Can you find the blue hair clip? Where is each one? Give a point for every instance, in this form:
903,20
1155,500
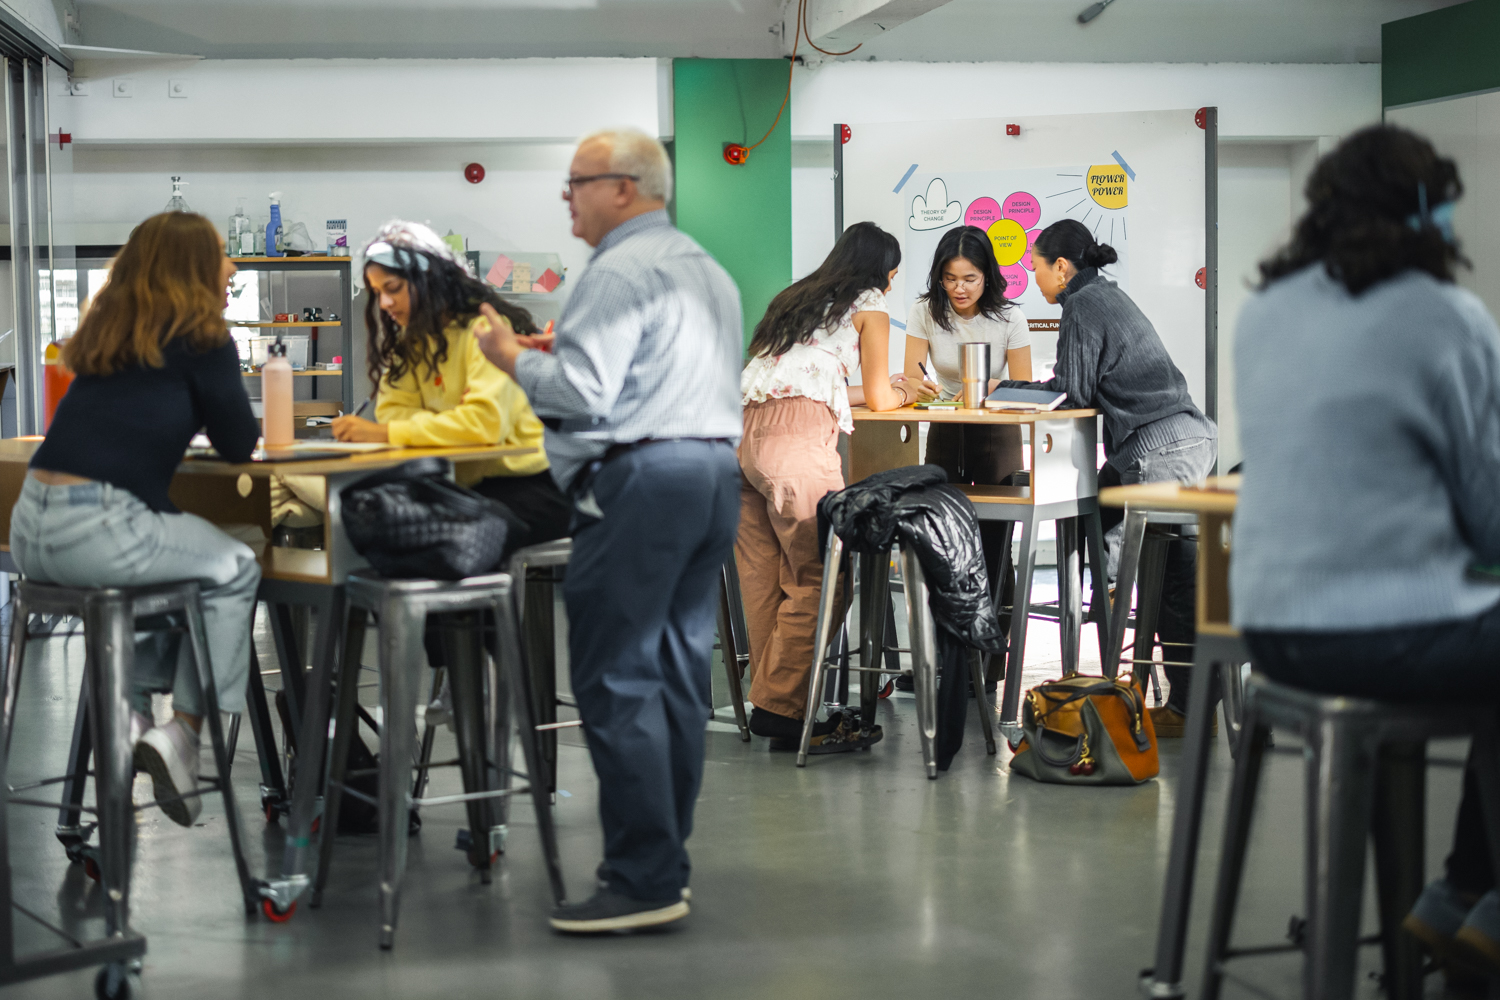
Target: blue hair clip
1440,218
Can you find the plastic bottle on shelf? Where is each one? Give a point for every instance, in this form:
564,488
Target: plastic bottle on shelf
177,204
276,397
239,242
273,228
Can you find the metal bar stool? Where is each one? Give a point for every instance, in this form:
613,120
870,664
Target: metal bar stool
874,591
109,616
1143,560
482,714
543,567
1365,773
1217,659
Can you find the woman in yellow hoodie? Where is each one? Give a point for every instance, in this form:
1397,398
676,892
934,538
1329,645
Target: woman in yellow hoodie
435,387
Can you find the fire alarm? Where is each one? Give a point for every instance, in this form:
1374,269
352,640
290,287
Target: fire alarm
1200,118
1012,130
474,173
735,155
1201,278
844,133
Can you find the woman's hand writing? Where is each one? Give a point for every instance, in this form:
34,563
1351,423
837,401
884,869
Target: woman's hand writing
916,391
352,428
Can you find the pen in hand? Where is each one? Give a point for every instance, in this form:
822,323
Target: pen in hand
362,407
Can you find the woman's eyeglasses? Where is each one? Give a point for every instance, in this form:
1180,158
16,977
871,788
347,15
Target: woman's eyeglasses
955,283
573,182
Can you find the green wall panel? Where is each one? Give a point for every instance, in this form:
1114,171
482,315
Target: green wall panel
742,215
1442,53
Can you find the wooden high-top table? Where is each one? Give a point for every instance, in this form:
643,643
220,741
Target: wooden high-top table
1217,645
1064,488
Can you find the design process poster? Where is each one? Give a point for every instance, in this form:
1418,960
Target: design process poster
1013,207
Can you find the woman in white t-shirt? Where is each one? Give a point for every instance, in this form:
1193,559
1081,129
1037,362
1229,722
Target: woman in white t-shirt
965,303
796,396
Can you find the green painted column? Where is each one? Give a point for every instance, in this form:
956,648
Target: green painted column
742,215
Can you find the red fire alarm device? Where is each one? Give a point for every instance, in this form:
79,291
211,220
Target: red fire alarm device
1012,130
734,154
474,173
844,133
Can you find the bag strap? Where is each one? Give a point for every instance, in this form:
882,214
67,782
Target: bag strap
1068,761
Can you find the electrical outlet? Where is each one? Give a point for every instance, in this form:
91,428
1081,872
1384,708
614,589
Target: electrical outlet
78,88
177,88
124,88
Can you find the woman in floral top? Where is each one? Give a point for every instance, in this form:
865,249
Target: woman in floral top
797,399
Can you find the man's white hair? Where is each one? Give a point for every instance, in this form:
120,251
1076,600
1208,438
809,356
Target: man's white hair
633,152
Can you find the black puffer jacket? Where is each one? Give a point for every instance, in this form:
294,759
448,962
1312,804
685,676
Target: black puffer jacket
916,506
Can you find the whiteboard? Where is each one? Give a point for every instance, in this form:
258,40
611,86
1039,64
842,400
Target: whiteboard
1137,179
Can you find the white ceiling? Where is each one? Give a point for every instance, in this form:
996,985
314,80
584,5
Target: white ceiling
1311,31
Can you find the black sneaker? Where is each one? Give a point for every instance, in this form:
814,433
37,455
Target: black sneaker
784,728
847,736
609,912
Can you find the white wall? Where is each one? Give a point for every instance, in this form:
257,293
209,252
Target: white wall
1254,101
1257,200
329,101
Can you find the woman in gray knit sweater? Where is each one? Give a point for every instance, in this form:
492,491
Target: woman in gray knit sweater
1110,358
1370,509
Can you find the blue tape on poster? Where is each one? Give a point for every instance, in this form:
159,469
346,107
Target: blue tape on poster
1123,165
897,324
904,178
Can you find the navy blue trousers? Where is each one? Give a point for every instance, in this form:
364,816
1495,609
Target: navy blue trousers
642,592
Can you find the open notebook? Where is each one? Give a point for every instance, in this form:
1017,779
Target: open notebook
297,451
1031,400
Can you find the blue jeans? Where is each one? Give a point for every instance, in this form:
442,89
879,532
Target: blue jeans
97,535
642,593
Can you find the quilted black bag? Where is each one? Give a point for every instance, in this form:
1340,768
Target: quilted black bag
413,522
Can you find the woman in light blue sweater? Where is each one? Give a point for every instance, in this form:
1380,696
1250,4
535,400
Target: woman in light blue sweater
1371,500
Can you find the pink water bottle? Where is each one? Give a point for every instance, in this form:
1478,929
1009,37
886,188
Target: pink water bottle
276,397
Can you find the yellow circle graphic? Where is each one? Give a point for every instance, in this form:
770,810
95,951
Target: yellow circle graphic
1009,240
1108,185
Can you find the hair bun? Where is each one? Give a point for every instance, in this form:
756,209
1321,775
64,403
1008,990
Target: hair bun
1098,255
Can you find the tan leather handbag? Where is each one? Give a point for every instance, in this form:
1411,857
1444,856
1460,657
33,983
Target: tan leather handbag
1086,731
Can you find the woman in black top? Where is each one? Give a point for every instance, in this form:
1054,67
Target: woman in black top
1109,358
154,364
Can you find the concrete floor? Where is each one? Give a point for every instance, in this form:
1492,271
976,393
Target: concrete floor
853,877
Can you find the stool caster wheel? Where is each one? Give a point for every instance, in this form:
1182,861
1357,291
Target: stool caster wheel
276,914
887,688
88,856
115,982
268,806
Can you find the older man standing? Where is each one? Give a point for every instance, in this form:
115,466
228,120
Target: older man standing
641,399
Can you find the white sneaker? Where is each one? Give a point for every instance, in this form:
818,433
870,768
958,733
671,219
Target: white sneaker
170,755
139,723
440,711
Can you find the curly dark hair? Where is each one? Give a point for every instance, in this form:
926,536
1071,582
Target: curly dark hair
863,258
970,243
442,293
1365,220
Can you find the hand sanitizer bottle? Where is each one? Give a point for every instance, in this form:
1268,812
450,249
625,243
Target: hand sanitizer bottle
177,204
273,228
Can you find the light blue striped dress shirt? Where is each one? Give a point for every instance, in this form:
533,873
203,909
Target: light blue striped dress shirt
649,346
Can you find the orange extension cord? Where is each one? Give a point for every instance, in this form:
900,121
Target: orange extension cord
802,32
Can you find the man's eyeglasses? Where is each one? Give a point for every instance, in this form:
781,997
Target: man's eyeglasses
573,182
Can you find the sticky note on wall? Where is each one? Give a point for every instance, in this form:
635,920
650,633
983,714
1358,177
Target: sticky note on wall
500,270
547,281
520,278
